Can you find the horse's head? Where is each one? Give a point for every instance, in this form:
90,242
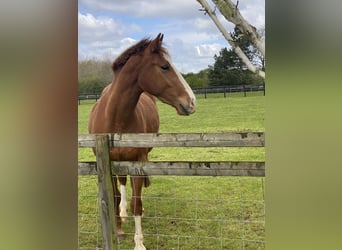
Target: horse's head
159,77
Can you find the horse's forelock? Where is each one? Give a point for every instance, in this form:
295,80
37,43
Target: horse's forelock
135,49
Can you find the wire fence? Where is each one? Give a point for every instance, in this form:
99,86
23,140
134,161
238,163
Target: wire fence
185,213
89,228
190,205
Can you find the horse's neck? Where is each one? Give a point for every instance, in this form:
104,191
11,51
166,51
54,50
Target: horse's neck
123,97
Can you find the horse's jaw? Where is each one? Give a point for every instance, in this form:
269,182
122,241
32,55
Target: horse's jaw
185,111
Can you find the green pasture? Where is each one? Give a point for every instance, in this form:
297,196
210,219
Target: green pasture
191,212
214,114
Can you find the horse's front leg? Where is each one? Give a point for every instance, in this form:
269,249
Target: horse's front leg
137,209
117,198
123,202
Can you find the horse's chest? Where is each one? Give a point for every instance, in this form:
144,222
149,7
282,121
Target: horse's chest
128,154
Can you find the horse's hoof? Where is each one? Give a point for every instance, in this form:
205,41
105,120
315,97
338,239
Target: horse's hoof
140,247
138,239
121,238
120,235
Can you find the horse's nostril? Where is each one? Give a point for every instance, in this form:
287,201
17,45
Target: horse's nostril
184,109
193,103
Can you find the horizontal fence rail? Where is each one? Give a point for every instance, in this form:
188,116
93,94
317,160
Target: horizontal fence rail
231,139
203,168
225,168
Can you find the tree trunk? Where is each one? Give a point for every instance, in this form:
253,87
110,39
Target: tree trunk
233,15
228,37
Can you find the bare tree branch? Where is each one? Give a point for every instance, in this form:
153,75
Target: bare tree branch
228,37
231,12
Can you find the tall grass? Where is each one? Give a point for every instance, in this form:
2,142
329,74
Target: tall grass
191,212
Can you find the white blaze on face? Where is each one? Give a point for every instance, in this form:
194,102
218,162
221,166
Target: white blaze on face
182,80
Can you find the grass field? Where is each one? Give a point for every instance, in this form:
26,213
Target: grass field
191,212
214,114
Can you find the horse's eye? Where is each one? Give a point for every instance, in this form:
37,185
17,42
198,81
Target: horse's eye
165,67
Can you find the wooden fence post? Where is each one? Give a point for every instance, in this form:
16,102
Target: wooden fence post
106,198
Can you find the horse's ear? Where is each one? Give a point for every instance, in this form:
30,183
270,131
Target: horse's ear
161,36
156,44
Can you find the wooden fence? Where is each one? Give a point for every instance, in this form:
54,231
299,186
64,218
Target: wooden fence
241,88
104,168
205,91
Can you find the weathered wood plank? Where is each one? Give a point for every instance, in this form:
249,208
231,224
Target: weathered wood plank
228,139
227,168
190,168
87,168
106,201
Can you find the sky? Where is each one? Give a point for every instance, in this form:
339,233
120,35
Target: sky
107,27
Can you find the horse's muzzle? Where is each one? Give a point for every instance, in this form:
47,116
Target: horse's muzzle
187,110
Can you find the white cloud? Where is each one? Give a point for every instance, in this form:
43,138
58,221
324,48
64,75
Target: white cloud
144,8
253,12
208,50
193,58
90,28
107,27
203,24
103,37
100,28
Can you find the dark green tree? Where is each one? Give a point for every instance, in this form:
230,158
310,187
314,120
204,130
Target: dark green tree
229,69
197,80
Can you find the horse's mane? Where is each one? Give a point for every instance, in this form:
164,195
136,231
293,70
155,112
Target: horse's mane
135,49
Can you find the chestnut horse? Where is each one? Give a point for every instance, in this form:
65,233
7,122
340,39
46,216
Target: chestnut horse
127,105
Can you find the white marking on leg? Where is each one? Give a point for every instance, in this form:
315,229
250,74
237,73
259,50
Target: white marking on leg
123,203
138,237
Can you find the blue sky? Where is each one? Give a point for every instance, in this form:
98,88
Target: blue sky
107,27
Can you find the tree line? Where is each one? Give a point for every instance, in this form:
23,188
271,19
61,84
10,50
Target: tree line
94,75
228,69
